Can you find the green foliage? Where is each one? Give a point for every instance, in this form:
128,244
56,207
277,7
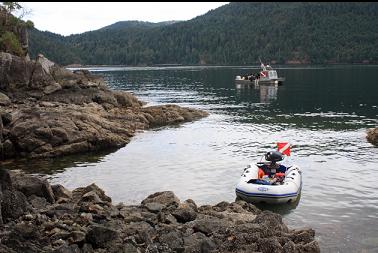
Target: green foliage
11,6
13,30
10,43
29,24
237,33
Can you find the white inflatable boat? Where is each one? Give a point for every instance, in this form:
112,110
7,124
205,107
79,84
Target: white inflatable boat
286,192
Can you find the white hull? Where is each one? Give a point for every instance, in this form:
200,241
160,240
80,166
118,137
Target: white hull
273,194
248,83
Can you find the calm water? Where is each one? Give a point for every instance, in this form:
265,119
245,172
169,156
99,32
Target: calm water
322,111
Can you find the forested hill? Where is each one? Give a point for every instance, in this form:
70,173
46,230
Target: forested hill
236,33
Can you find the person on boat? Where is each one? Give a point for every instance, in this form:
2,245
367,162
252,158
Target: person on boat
273,170
251,77
257,75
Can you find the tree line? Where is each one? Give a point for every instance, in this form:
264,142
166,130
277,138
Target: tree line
236,33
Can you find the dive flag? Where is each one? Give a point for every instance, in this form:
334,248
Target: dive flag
284,148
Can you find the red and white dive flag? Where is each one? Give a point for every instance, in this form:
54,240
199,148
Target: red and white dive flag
263,73
284,148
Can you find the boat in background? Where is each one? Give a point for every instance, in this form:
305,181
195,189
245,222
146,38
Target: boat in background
267,76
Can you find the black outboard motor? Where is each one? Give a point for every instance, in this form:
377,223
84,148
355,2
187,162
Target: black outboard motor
274,156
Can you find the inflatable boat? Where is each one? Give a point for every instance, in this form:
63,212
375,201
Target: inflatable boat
253,190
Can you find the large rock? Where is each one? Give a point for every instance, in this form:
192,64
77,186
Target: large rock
15,72
79,193
56,112
171,114
13,205
101,236
46,64
166,198
52,88
31,185
127,99
5,180
372,136
4,99
184,213
61,192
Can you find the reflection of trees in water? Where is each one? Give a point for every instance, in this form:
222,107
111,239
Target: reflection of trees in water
268,93
56,164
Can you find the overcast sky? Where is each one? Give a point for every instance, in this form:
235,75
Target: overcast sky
78,17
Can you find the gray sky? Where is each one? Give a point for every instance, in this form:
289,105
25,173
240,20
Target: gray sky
78,17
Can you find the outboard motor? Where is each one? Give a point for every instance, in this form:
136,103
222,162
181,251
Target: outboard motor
274,156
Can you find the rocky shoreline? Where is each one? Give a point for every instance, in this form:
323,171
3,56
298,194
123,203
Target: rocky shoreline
49,111
39,217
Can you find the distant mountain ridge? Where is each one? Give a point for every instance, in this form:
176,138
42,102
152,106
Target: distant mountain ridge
120,25
236,33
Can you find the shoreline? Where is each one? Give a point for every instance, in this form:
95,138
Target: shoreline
50,111
49,218
78,66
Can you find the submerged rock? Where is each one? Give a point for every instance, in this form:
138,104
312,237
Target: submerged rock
87,221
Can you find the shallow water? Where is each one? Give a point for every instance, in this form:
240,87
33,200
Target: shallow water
322,111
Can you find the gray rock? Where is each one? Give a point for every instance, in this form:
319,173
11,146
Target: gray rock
6,118
302,235
15,72
5,180
4,99
52,88
73,248
8,149
99,236
90,197
172,239
154,207
46,64
126,99
37,202
77,236
209,225
13,205
184,213
288,247
312,246
194,240
61,192
78,193
31,185
271,221
166,198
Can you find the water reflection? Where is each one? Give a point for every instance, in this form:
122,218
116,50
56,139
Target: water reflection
282,209
52,166
268,93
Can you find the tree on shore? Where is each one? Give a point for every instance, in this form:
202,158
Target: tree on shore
9,8
13,30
